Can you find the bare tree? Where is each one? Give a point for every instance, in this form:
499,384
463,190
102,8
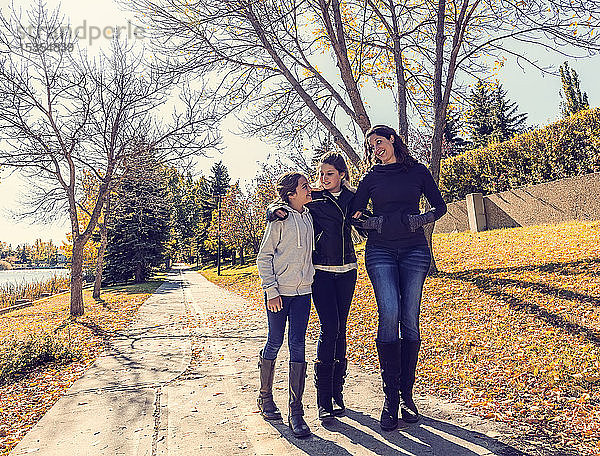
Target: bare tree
63,116
293,68
302,67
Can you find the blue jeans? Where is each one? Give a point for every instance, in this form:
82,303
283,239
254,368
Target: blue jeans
297,310
397,276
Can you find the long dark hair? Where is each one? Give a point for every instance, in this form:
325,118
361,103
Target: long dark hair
287,185
400,148
336,160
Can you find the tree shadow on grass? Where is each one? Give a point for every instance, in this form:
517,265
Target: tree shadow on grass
485,281
563,268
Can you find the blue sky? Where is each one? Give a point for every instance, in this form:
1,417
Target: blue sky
536,95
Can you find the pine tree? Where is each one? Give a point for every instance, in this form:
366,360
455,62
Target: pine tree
574,101
453,142
479,122
218,181
505,119
324,147
492,117
212,189
139,230
186,216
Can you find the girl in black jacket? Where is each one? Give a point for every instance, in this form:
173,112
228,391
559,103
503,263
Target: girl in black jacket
397,259
335,265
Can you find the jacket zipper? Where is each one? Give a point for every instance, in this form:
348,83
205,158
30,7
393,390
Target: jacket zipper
343,221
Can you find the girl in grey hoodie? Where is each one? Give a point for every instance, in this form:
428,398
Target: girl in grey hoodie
285,266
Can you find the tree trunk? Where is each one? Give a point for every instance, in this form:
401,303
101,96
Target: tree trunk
139,273
242,259
233,256
338,136
101,251
439,113
77,278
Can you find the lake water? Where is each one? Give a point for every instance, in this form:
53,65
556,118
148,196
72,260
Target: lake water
19,276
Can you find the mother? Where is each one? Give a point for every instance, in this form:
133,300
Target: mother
397,260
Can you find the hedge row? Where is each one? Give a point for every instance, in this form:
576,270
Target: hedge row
566,148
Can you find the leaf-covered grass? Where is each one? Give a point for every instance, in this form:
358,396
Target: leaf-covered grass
26,396
510,327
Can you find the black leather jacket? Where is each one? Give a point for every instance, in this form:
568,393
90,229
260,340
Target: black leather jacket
331,220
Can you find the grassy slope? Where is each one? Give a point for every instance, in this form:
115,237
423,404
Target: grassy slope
510,327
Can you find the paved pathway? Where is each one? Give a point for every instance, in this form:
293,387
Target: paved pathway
147,395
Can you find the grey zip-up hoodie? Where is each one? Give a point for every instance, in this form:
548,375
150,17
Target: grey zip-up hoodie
284,260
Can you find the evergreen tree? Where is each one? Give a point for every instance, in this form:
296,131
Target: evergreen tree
573,100
324,147
212,189
479,124
218,181
139,230
186,216
506,121
491,116
454,144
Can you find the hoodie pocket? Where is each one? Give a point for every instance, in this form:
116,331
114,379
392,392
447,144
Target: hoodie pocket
290,275
281,273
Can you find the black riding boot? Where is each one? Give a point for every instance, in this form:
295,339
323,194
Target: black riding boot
389,360
296,385
410,355
340,367
323,383
267,407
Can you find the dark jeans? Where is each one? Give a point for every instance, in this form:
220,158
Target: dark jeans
398,276
332,295
297,310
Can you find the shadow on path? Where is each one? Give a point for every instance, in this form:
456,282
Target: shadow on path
428,437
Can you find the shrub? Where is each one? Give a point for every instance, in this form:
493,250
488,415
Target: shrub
5,265
566,148
17,357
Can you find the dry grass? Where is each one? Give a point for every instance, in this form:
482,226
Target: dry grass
9,293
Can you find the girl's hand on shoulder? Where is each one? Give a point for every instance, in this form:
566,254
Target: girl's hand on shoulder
275,304
357,214
316,186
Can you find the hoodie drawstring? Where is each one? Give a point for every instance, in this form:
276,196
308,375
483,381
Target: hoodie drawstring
297,230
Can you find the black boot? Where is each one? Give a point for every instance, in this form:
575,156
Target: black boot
267,407
296,417
389,360
340,367
410,355
323,384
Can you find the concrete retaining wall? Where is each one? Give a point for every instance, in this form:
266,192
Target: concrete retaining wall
574,198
